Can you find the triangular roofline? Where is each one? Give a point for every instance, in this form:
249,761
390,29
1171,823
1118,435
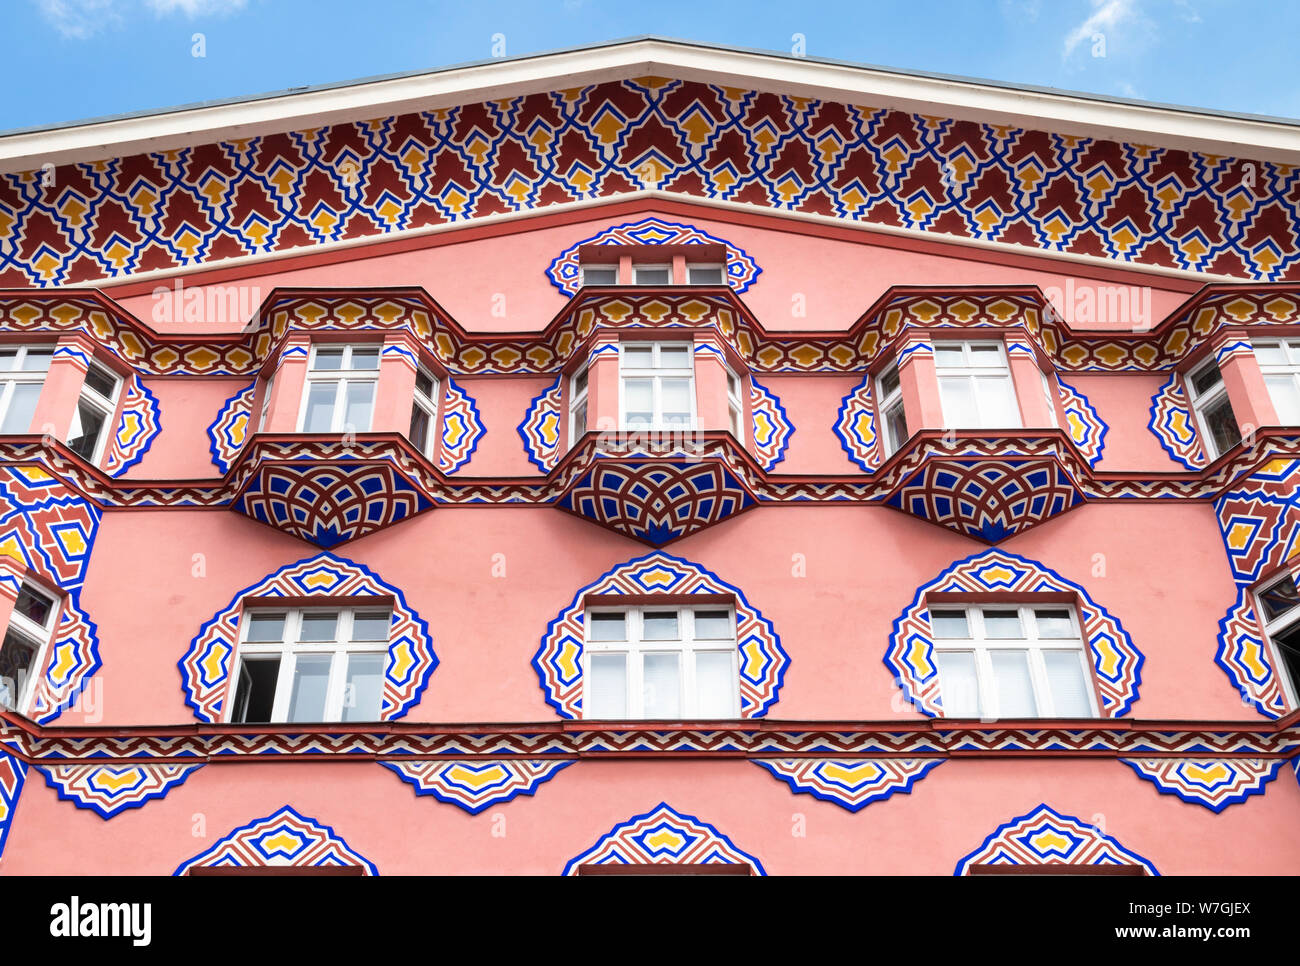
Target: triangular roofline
990,102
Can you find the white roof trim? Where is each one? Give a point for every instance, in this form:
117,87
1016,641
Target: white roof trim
1063,113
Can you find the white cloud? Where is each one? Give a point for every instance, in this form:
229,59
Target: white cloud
1026,10
1106,15
80,19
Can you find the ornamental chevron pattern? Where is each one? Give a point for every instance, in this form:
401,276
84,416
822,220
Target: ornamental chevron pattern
284,838
476,785
850,784
1046,837
663,836
1213,783
285,191
108,790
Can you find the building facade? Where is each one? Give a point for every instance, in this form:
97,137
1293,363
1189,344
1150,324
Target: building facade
651,455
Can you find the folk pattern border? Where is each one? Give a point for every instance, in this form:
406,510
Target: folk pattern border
284,838
109,790
477,785
852,784
1046,837
663,836
1213,783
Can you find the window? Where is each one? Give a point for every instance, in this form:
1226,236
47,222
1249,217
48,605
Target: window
658,383
975,386
424,411
1279,606
266,403
22,374
661,662
599,274
652,274
578,405
704,274
735,407
95,409
22,654
893,421
340,392
1011,662
1213,409
311,665
1279,362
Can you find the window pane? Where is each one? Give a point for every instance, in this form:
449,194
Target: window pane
638,356
607,689
948,355
1013,688
702,275
320,407
997,403
986,356
34,605
317,628
949,624
264,628
360,401
674,357
713,625
715,685
328,357
364,688
424,384
958,690
1270,354
1280,598
1003,625
1286,398
958,399
87,426
420,423
311,676
1222,425
660,626
16,657
37,360
101,381
579,420
1069,684
599,276
365,357
371,626
606,627
1287,645
661,685
896,426
676,397
646,275
255,695
1206,379
889,381
580,383
1054,623
22,407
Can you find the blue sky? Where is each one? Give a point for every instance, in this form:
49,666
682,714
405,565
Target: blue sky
74,59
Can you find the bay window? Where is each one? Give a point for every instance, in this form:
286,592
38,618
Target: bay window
657,386
1279,609
975,386
95,408
661,662
339,396
22,374
22,655
893,421
1279,364
1213,409
1011,662
424,412
310,664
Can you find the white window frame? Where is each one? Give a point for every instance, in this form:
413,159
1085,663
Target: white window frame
722,269
735,404
657,374
1201,401
1290,348
290,647
578,401
107,405
982,646
888,402
37,635
266,402
428,404
1280,623
973,373
636,647
9,378
342,377
638,267
583,269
